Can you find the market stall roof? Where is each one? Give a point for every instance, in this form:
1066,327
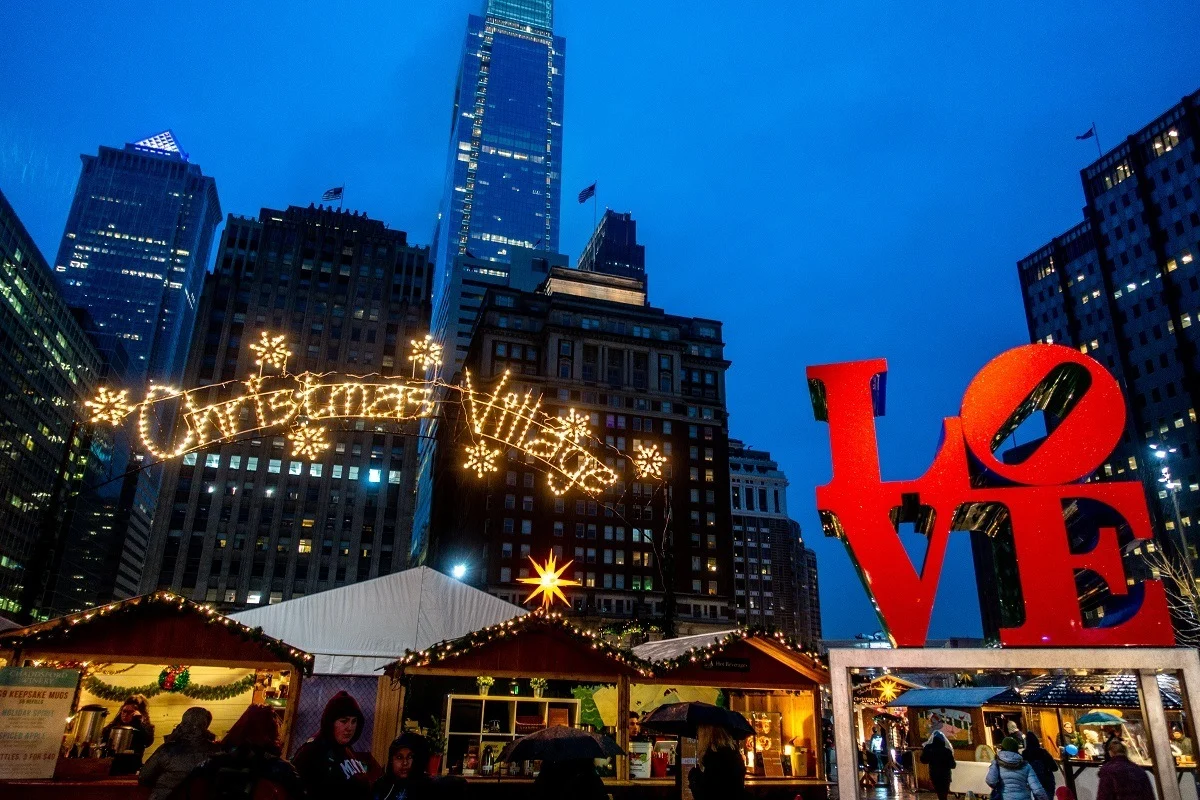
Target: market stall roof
962,697
738,658
882,690
1112,690
361,628
540,644
667,649
161,628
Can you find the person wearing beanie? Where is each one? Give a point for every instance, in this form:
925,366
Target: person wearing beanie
1010,774
328,767
406,774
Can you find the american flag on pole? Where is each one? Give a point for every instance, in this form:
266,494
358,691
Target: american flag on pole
333,194
587,193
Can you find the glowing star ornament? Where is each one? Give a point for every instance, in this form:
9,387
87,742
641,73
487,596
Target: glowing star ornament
482,459
548,582
574,426
649,462
308,441
110,406
426,353
272,351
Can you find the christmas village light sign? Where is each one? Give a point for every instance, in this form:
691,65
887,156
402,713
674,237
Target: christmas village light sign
966,483
299,406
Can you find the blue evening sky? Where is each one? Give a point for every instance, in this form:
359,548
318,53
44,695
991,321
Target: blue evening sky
833,181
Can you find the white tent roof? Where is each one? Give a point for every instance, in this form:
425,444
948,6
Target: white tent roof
357,629
666,649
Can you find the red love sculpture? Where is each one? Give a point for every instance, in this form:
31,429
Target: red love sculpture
966,477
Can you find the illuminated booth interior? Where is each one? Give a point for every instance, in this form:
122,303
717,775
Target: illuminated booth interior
175,652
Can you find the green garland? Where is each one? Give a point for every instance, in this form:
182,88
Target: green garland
116,694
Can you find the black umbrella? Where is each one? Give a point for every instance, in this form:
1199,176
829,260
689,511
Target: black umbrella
682,719
560,743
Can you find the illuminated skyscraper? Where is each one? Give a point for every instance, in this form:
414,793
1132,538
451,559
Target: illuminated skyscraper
502,175
501,195
135,249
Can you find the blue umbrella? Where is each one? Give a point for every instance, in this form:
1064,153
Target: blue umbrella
1101,718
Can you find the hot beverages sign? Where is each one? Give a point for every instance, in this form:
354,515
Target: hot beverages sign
967,484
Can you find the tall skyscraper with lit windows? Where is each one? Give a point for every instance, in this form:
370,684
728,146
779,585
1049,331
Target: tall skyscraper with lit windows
503,168
136,247
501,200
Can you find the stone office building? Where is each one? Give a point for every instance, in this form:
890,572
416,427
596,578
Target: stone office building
588,341
248,523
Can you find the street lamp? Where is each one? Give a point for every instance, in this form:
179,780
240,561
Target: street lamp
1161,452
458,571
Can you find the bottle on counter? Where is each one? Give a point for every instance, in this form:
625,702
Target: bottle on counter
487,763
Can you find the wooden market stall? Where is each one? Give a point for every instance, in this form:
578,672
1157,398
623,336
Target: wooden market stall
770,680
1053,703
175,652
589,683
871,710
537,647
967,715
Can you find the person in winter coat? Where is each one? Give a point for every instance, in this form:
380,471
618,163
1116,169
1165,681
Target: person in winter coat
183,749
249,765
573,778
328,767
1012,776
720,773
1043,764
938,754
1120,778
135,714
405,774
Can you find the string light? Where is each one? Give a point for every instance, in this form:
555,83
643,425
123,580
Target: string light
109,406
539,619
518,422
482,459
62,627
426,353
272,351
649,462
549,582
308,441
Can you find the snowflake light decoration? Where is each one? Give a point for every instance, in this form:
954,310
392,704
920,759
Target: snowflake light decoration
110,406
482,459
308,441
649,462
271,350
574,426
426,353
548,582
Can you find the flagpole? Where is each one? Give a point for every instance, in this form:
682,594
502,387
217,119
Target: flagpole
342,197
594,183
1099,150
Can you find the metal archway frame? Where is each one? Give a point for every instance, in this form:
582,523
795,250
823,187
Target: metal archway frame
1145,662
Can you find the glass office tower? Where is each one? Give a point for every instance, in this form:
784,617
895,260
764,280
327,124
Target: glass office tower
135,249
502,176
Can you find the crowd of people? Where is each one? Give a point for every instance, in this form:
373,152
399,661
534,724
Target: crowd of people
249,762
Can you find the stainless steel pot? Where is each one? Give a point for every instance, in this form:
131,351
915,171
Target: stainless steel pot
120,739
89,722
